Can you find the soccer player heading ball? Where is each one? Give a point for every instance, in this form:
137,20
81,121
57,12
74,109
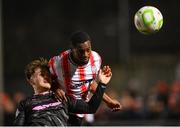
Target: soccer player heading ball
76,70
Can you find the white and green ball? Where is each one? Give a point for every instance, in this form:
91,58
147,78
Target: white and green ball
148,20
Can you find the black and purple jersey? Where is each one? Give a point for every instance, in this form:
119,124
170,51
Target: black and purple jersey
45,109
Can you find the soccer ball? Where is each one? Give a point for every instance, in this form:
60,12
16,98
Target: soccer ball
148,20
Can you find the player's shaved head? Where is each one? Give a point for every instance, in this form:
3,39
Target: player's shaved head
79,37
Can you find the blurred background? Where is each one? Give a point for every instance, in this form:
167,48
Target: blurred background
146,68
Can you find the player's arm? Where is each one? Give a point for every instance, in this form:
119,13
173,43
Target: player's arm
57,87
20,115
114,104
80,106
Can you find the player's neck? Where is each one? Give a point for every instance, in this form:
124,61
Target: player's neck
41,91
74,60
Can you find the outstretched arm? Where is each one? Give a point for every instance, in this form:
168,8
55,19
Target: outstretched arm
114,104
80,106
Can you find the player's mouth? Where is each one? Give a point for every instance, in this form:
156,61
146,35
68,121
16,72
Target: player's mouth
45,81
85,60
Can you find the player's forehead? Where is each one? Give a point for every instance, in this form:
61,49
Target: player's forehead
84,45
37,70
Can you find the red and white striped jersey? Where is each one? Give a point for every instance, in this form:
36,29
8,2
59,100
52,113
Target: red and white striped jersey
75,78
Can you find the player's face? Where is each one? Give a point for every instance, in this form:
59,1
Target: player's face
41,80
82,52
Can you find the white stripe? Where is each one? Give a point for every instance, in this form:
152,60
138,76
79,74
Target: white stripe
75,78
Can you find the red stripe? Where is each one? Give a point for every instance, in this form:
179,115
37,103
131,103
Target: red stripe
83,88
93,66
51,64
81,73
82,78
66,70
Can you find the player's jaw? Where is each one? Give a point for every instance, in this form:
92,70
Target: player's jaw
81,53
81,59
84,59
41,82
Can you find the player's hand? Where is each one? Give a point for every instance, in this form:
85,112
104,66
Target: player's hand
105,75
61,95
115,105
107,71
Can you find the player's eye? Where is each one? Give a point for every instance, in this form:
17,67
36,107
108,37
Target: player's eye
88,50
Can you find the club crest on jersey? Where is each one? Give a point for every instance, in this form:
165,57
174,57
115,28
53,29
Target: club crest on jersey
79,84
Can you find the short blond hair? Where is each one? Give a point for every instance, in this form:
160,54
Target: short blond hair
38,63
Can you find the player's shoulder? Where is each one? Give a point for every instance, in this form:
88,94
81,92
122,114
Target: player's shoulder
60,56
25,102
95,55
64,54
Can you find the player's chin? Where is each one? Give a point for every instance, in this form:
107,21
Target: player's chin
46,85
84,61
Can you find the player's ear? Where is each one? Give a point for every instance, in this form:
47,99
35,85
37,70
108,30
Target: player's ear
30,81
